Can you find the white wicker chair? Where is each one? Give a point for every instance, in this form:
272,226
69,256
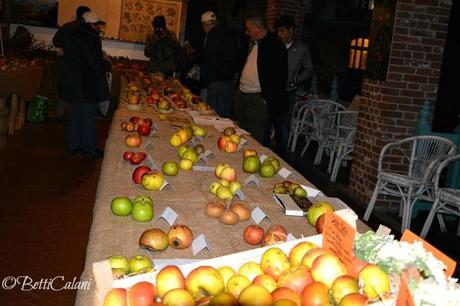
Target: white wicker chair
447,200
422,155
312,122
295,123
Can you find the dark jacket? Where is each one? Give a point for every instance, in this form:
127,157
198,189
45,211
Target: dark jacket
220,58
272,66
83,71
67,30
166,54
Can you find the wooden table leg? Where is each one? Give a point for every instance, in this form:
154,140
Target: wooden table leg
13,114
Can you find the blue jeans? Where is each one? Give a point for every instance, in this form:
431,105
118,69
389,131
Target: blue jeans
220,97
82,128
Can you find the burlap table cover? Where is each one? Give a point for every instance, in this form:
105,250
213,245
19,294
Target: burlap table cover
111,235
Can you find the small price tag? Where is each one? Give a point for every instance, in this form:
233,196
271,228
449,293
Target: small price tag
239,193
383,230
202,158
252,179
290,237
311,192
169,215
208,153
204,168
241,144
200,243
338,237
166,185
263,157
284,173
410,237
258,215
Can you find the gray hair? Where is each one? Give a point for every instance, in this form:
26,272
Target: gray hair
257,19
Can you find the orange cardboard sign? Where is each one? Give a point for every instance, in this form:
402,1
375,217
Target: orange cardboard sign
410,237
404,295
339,237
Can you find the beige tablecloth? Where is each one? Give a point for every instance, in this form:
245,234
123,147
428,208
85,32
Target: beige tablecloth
111,235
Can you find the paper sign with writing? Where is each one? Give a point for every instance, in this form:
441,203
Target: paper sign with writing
404,296
169,215
252,179
239,193
200,243
258,215
284,173
338,237
383,230
204,168
410,237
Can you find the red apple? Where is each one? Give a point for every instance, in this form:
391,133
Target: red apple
147,121
254,234
127,155
137,158
315,294
144,129
320,224
139,172
284,293
230,147
133,140
222,141
295,278
142,294
116,297
170,277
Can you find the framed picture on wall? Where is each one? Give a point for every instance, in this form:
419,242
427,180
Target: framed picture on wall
34,12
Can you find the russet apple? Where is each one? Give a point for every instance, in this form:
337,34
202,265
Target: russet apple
274,262
229,131
178,297
296,278
204,281
342,286
115,297
255,295
142,294
326,268
298,252
266,281
284,293
170,277
236,284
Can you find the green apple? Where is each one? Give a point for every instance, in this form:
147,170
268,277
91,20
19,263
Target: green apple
181,150
143,198
300,192
170,168
142,211
234,186
139,262
267,170
213,187
224,193
121,206
190,154
251,164
119,262
316,210
275,162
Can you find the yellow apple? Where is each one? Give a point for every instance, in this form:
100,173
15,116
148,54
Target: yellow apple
266,281
204,281
223,299
226,273
251,270
326,268
274,262
284,293
342,286
236,284
178,297
170,277
375,282
298,252
255,295
115,297
311,255
296,278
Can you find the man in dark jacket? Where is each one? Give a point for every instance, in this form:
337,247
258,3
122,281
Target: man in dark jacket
70,28
219,64
262,100
84,85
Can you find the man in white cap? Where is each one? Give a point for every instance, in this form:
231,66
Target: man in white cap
219,64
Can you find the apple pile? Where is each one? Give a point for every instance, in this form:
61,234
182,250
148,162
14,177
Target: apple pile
226,188
255,235
238,212
121,266
150,179
135,158
179,236
141,208
142,126
288,187
181,136
308,275
229,141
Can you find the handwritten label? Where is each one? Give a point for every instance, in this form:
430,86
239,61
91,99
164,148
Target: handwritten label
410,237
200,243
252,179
204,168
169,215
338,237
284,173
258,215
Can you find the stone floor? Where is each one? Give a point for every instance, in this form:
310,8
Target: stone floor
46,210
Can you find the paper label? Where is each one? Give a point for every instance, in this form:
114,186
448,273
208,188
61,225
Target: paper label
166,185
290,237
311,192
239,193
383,230
200,243
263,157
241,144
204,168
208,153
258,215
203,158
284,173
252,179
169,215
338,237
410,237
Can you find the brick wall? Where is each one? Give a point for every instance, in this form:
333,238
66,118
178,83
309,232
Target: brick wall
295,8
389,109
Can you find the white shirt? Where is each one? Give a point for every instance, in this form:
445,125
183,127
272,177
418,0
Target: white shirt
249,80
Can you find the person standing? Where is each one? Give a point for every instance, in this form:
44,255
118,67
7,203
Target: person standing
163,49
84,85
300,66
261,101
219,65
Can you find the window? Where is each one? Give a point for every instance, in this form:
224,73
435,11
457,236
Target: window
357,58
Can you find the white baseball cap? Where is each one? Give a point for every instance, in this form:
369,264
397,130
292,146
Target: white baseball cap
91,17
208,16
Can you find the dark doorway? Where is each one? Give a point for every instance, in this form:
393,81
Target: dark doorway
193,32
447,109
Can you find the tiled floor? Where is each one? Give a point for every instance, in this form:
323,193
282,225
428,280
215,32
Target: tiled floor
46,206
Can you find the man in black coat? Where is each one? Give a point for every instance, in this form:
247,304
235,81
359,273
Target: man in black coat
262,100
84,85
219,65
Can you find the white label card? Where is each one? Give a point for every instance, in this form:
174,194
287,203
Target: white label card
204,168
383,230
252,179
311,192
241,144
284,173
258,215
290,237
166,185
169,215
239,193
200,243
263,157
202,158
208,153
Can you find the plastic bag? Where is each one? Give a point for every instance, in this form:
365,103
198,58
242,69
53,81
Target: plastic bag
38,109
